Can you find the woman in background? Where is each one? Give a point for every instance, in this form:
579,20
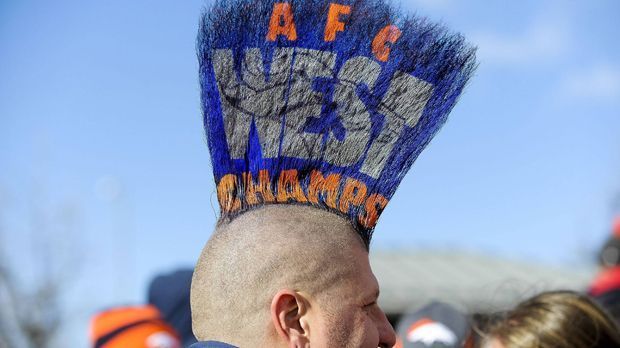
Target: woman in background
557,319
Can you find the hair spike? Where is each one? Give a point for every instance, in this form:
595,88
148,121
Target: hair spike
322,103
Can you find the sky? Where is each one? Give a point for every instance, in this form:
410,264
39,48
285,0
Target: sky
104,169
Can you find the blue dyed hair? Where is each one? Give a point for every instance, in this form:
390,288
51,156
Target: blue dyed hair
322,103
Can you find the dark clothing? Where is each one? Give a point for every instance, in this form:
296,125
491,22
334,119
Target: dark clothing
211,344
434,325
170,294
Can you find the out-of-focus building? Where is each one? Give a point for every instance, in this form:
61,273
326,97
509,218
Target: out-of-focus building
472,282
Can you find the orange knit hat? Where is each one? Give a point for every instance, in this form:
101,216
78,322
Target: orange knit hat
132,327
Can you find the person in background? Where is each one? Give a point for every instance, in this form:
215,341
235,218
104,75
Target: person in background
605,288
555,319
480,322
437,325
169,292
132,327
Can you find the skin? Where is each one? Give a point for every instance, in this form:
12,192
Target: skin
351,319
367,324
288,276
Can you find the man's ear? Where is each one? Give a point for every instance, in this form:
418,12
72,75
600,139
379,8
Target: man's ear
288,314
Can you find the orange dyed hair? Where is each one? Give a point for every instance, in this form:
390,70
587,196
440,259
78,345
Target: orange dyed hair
282,22
389,34
334,25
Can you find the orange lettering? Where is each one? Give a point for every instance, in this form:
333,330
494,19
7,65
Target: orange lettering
227,194
380,49
282,22
334,24
374,206
328,186
354,192
289,187
263,187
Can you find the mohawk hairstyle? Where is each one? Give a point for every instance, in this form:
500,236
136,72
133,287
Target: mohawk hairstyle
322,103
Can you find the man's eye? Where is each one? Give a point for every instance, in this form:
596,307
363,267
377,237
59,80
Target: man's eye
370,304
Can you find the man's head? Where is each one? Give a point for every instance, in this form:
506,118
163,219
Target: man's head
314,111
288,275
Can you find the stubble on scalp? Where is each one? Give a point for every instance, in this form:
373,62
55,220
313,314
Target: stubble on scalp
250,258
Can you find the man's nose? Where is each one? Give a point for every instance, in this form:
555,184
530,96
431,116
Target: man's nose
387,336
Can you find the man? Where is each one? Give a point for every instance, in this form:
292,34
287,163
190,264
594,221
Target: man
314,112
295,275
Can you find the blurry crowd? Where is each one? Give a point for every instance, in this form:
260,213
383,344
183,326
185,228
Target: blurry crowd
558,318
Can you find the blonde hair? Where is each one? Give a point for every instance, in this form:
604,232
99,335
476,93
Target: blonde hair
556,319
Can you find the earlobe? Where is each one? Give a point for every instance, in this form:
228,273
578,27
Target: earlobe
288,315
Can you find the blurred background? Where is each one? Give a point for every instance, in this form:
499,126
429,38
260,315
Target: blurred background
105,179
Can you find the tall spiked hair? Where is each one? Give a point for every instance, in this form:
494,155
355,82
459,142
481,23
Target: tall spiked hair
322,103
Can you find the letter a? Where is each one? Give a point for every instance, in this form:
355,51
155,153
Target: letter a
282,22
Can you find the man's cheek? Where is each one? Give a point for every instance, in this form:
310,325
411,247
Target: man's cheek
365,334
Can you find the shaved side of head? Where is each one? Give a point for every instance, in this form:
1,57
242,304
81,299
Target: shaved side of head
250,258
